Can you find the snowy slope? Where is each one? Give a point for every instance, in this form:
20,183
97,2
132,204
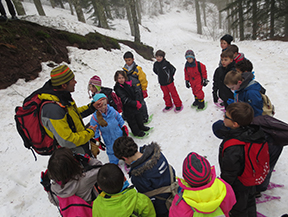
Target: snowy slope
178,134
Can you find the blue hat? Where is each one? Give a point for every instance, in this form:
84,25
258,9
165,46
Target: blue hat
98,96
189,53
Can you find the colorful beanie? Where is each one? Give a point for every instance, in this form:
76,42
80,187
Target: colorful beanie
189,53
61,75
228,38
196,170
98,96
95,80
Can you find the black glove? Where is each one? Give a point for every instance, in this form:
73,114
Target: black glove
82,159
45,181
205,82
188,84
215,97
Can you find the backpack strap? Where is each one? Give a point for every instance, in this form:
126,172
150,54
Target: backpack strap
231,142
199,69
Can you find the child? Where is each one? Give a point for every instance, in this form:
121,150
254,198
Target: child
68,177
236,55
195,79
115,126
138,77
94,86
201,191
149,169
165,72
225,42
118,200
220,90
237,121
244,66
131,104
246,89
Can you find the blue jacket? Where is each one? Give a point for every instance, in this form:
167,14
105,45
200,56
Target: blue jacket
111,132
150,172
250,92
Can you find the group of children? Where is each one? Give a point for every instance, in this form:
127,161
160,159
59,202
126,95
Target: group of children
199,192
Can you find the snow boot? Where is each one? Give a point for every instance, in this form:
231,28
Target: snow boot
201,103
167,108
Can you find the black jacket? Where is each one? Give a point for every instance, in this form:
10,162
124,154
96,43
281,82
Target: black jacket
165,72
219,88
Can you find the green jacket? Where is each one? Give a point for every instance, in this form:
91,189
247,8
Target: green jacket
124,204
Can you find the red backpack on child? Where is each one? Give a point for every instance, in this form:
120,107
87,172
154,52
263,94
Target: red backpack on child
256,161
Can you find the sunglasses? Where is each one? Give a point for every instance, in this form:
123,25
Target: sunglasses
225,116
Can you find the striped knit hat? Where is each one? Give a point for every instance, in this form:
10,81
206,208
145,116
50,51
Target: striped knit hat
196,170
61,75
189,53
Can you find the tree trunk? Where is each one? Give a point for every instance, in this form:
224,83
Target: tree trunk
286,19
107,10
129,17
101,14
161,7
61,4
204,12
19,7
52,2
138,10
71,7
79,12
39,7
254,19
241,20
272,14
198,18
135,21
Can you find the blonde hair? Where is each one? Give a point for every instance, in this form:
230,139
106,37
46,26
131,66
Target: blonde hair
232,77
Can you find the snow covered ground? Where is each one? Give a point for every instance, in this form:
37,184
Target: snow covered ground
178,134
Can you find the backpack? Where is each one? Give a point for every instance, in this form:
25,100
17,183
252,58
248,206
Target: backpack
277,129
268,108
256,161
172,188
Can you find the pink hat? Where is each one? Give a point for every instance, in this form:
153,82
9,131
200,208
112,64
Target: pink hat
95,81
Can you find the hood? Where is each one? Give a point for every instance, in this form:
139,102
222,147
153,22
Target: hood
207,198
151,155
248,80
69,189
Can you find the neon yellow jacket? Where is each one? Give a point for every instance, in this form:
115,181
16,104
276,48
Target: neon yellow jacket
123,204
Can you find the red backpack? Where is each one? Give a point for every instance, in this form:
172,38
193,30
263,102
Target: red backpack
256,161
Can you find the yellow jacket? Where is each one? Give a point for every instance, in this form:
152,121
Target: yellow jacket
136,73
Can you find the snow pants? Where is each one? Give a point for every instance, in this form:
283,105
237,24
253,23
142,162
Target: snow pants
143,110
10,8
135,122
169,92
197,89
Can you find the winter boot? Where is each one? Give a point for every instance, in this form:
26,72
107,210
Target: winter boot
141,134
145,128
201,103
196,102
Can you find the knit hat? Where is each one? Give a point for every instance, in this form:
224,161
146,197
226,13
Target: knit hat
189,53
98,96
95,80
228,38
196,170
61,75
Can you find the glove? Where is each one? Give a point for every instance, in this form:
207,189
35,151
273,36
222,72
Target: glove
125,131
94,148
205,82
82,159
188,84
45,181
229,101
145,94
215,97
138,105
100,119
100,144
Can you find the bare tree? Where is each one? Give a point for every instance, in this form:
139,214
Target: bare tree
135,20
19,7
203,5
241,20
138,9
100,12
79,12
52,2
39,7
198,18
71,7
161,7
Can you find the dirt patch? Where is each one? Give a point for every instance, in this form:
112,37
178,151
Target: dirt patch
24,45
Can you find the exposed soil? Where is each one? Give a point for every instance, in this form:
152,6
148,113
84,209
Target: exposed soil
24,45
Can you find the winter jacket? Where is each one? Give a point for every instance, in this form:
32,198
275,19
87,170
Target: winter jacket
249,92
216,198
232,161
151,171
124,204
219,88
111,132
128,97
137,76
55,119
82,187
165,72
239,57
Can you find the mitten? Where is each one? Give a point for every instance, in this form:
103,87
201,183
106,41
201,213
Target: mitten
138,105
205,82
229,101
188,84
94,148
100,119
145,94
215,97
125,131
45,181
82,159
100,144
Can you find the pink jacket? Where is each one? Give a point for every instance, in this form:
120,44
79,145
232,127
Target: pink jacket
213,199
